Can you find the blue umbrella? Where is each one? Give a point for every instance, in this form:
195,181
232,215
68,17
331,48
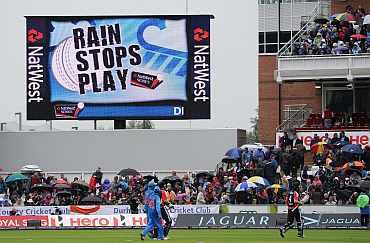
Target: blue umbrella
241,187
15,177
352,148
234,153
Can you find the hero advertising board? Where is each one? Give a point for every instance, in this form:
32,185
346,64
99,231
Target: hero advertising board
118,67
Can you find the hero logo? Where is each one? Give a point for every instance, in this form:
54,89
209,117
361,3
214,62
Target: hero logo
200,34
34,35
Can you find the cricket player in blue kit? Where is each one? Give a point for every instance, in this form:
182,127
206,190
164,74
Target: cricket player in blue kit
153,211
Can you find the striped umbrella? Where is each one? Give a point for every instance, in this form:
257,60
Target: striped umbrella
345,17
259,180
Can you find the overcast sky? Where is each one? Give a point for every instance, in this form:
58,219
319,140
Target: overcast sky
233,60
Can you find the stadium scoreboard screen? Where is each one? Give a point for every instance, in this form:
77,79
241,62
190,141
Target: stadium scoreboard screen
118,67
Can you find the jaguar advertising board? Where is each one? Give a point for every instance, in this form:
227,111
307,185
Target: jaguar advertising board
254,220
118,67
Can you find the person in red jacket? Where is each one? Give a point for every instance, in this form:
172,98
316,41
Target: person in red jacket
293,203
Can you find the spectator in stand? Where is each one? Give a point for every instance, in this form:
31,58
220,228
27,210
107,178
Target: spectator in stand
314,140
35,179
3,187
335,139
170,194
63,177
92,183
98,175
326,138
285,141
247,157
200,196
328,116
366,157
259,155
316,196
332,201
343,138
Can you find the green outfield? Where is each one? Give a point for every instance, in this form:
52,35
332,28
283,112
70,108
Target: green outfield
184,236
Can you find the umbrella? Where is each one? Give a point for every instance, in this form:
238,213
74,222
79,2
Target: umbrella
253,147
333,17
241,187
41,187
259,180
30,169
358,36
318,147
64,193
62,186
234,153
321,20
227,159
355,165
61,181
92,200
352,148
362,201
274,186
365,185
203,174
15,177
80,184
128,172
148,178
171,179
345,17
367,19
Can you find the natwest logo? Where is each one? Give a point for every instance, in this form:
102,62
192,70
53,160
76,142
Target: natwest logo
34,35
200,34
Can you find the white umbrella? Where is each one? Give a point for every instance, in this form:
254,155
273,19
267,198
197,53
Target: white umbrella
367,19
252,147
30,169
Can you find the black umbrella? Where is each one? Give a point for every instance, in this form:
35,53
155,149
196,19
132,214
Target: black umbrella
171,179
148,178
203,174
321,20
92,200
227,159
80,185
128,172
41,187
64,194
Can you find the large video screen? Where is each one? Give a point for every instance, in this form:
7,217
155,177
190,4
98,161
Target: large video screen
118,67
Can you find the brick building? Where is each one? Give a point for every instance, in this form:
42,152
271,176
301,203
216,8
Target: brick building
307,82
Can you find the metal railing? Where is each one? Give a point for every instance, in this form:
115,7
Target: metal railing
322,9
294,116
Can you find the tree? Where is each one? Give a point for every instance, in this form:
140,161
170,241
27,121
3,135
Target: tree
140,124
252,136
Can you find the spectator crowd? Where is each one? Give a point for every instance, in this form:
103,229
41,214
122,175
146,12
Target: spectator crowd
344,33
336,178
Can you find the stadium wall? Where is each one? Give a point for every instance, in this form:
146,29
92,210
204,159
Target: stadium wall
144,150
292,93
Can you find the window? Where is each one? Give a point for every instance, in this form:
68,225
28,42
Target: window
271,37
271,48
339,100
261,37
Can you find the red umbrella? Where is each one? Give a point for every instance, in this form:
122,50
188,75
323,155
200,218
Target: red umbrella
358,36
61,181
